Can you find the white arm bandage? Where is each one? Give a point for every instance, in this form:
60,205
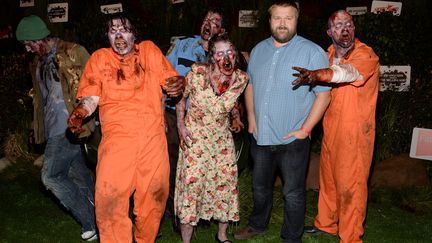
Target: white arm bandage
90,103
345,73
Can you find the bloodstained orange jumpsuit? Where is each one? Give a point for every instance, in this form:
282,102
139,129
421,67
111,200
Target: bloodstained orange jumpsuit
132,155
347,148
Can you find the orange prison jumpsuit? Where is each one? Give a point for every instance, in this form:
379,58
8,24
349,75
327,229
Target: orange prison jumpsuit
347,148
132,155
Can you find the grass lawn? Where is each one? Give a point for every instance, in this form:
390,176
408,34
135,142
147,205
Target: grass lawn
29,213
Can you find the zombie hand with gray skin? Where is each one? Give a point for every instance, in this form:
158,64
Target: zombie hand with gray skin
174,86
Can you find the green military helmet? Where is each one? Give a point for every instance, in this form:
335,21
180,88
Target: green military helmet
31,28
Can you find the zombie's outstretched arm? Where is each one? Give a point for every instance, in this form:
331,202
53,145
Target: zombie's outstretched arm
305,76
85,108
340,73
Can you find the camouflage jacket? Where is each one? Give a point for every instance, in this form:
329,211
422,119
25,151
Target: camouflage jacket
70,58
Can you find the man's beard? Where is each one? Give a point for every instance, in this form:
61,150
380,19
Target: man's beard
282,38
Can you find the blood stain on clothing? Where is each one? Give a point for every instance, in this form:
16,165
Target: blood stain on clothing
107,202
346,199
120,75
367,128
137,68
92,81
159,195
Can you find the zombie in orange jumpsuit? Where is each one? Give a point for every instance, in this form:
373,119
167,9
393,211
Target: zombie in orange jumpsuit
349,131
127,82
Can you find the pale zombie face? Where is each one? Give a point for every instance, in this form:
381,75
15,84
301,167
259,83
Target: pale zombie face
342,30
212,24
121,38
283,23
35,46
225,57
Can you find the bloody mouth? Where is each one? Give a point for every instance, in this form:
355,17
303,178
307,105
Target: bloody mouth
120,43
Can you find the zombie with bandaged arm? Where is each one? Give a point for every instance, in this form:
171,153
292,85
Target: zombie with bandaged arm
349,130
127,82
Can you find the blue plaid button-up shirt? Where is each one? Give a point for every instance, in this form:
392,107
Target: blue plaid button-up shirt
280,109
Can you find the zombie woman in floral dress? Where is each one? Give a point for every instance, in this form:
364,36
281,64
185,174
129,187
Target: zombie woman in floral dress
206,184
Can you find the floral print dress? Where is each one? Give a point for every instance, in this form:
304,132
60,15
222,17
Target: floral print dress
206,182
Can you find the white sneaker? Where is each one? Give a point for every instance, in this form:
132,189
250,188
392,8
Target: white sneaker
90,235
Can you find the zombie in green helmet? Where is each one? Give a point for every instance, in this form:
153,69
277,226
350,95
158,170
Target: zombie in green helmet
56,71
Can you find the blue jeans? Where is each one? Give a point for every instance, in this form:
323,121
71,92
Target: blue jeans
65,174
291,160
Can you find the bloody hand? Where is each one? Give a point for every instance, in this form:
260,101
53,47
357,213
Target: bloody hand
306,76
236,124
174,86
185,137
76,119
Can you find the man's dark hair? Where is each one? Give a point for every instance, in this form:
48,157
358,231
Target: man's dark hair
283,3
221,12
